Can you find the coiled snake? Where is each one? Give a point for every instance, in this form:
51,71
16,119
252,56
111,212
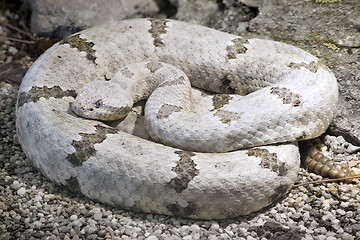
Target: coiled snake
268,96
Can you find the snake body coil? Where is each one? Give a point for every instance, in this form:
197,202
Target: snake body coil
286,95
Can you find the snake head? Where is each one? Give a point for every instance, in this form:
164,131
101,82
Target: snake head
102,100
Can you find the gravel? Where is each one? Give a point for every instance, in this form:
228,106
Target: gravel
32,207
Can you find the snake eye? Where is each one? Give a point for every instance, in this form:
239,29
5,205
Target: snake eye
98,103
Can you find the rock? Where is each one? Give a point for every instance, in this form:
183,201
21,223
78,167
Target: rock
54,18
152,237
97,214
21,191
228,15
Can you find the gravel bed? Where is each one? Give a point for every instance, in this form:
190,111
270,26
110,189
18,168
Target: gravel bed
32,207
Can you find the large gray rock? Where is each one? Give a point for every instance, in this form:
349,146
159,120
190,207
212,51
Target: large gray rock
55,18
228,15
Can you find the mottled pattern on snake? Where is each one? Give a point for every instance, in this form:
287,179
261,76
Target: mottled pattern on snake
286,95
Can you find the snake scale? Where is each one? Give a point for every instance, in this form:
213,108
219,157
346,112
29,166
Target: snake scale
259,96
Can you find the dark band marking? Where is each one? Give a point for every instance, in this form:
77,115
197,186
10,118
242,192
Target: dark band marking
178,81
158,27
36,93
85,147
180,211
236,48
126,72
268,160
153,66
73,185
227,116
82,45
166,110
287,96
224,86
312,66
185,170
220,100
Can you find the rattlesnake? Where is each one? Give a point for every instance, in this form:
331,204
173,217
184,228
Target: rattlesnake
284,95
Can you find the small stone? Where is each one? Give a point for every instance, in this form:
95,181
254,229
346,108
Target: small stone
97,214
303,189
212,237
152,237
250,238
73,217
340,211
12,50
321,237
354,192
21,191
90,229
320,230
326,204
353,228
37,224
296,215
195,228
15,185
344,204
37,198
215,225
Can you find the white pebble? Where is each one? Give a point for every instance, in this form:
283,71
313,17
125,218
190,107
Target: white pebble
194,227
196,236
344,204
90,229
37,224
37,198
215,225
15,184
321,237
326,205
340,211
12,50
152,237
73,217
21,191
97,214
250,238
354,192
331,238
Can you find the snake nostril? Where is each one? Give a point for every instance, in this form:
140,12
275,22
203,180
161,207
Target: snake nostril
91,109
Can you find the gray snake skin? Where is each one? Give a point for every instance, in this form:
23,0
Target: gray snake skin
243,158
